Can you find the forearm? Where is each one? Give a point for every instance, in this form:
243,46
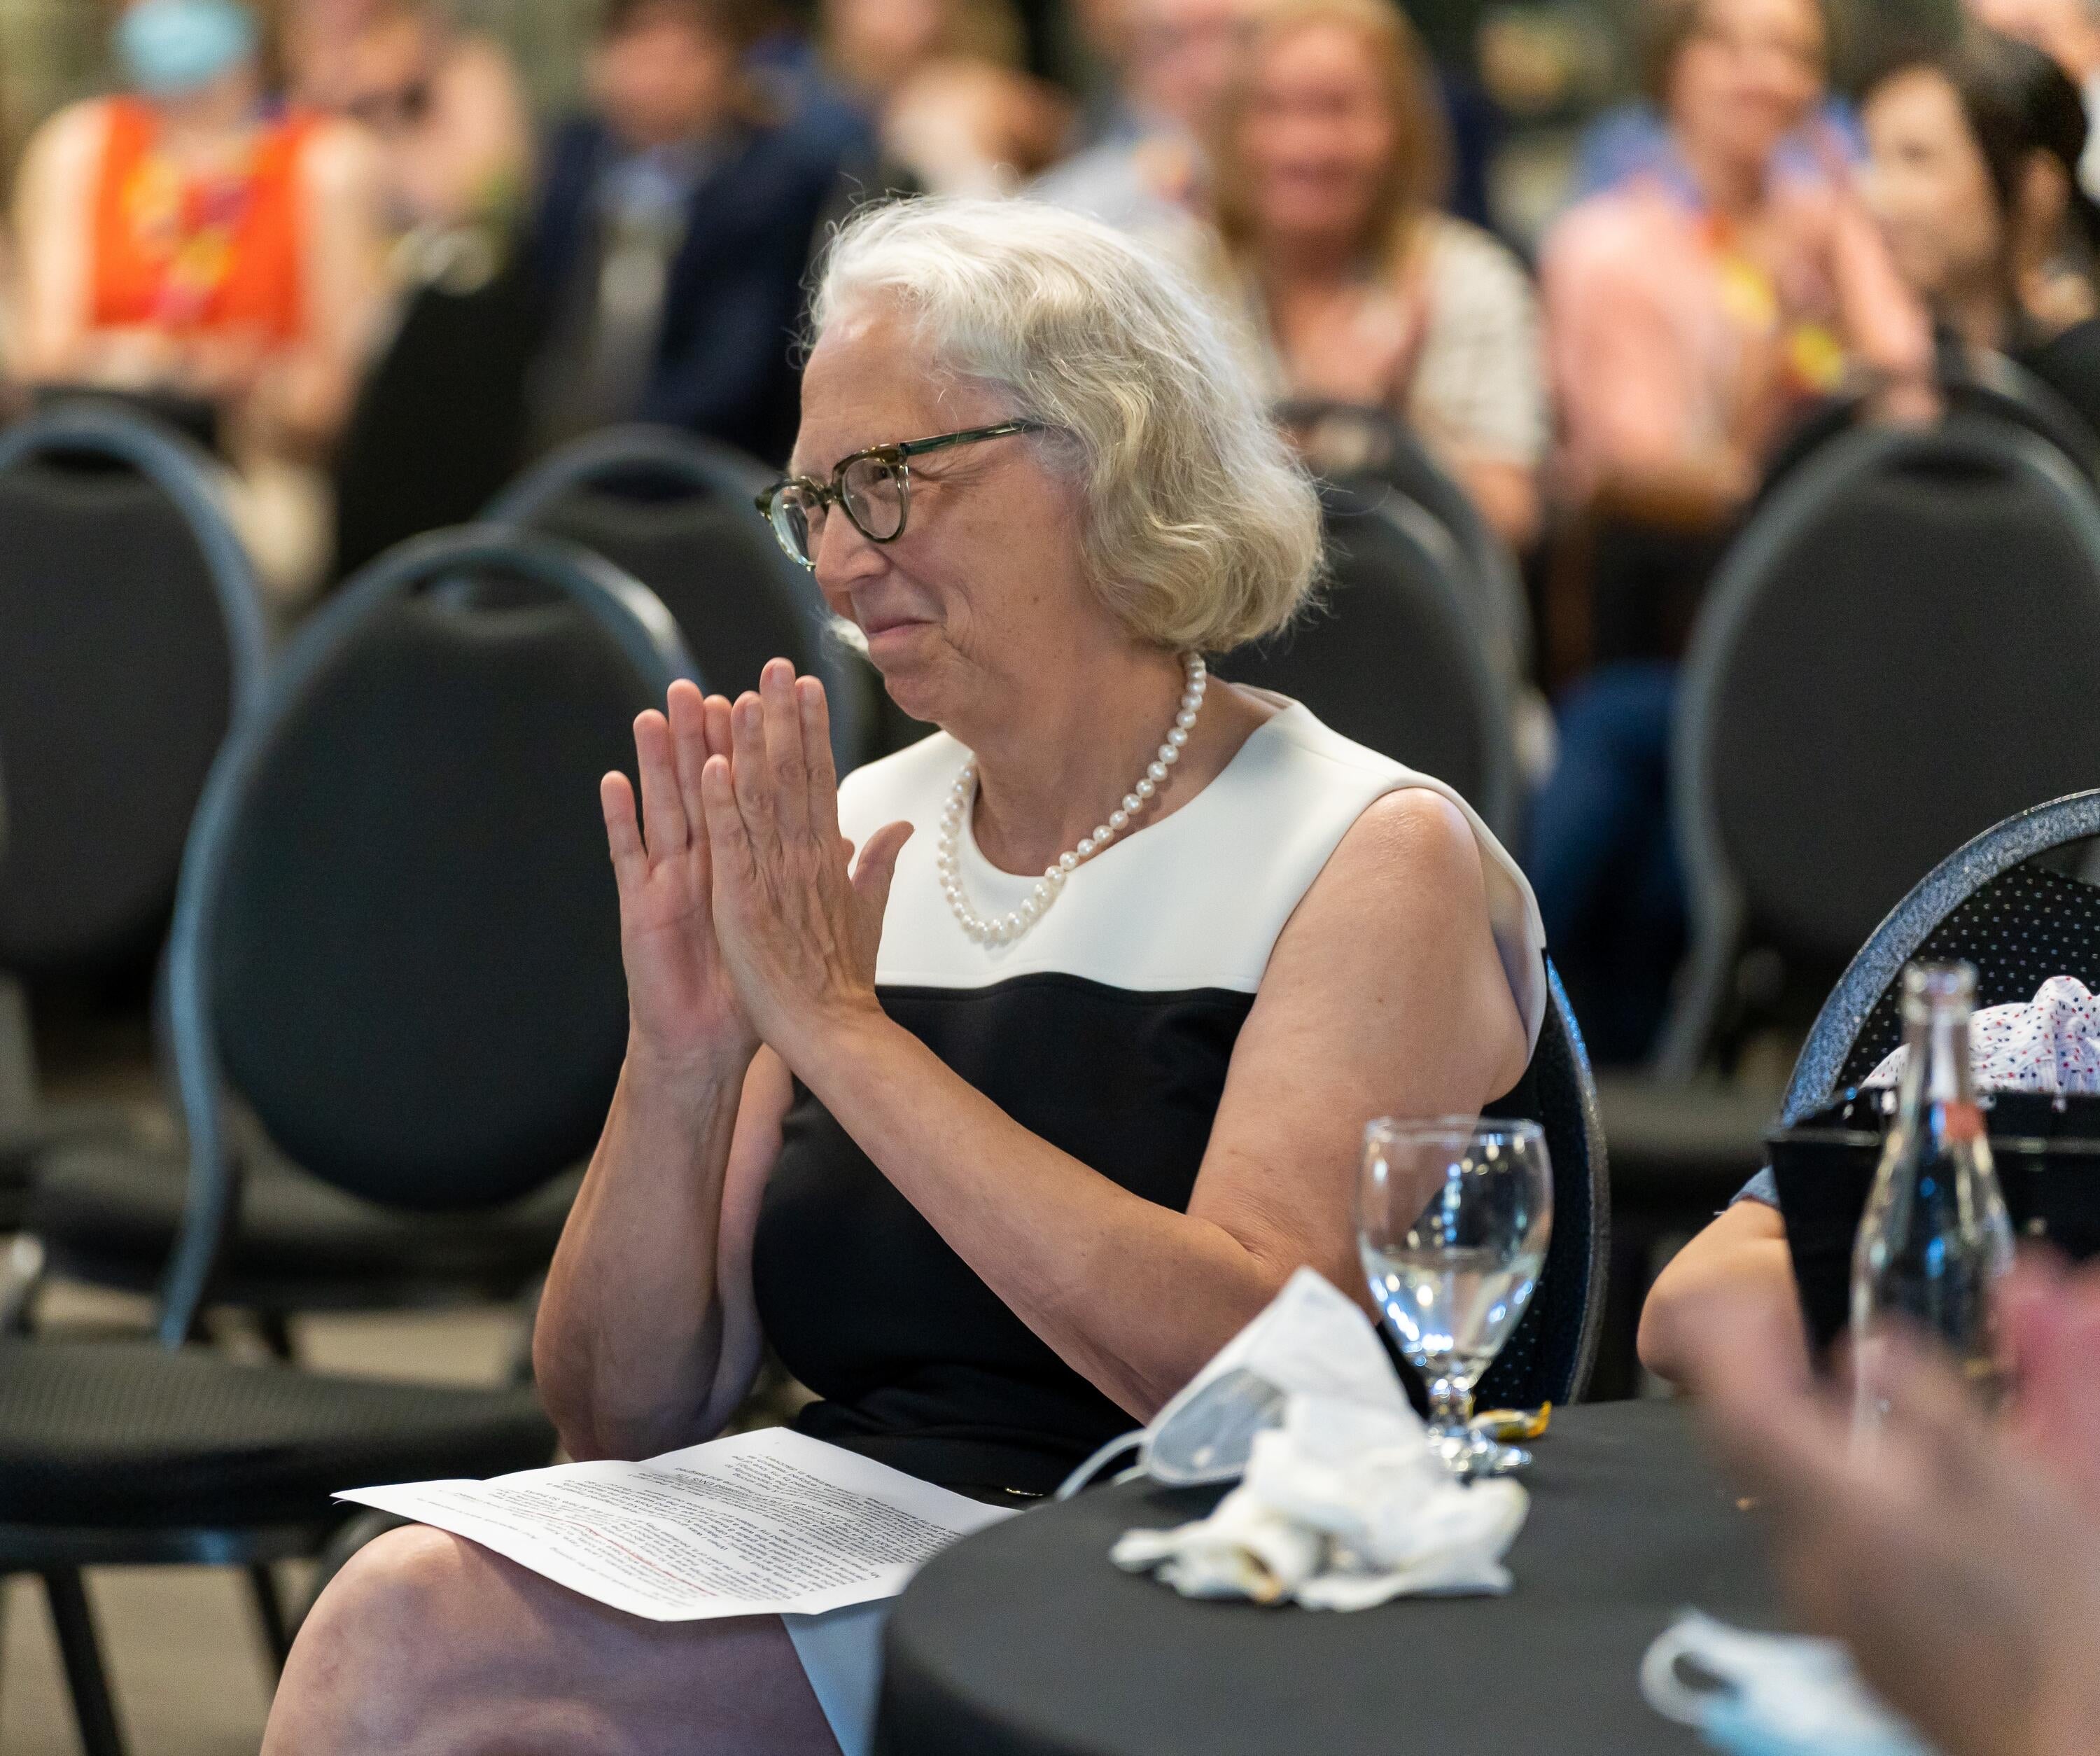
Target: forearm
629,1340
1743,1253
1133,1296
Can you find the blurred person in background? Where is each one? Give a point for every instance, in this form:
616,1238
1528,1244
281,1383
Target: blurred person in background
1149,175
444,105
1692,313
1960,1561
1331,159
185,240
944,97
1691,310
1090,54
1974,181
673,226
2068,31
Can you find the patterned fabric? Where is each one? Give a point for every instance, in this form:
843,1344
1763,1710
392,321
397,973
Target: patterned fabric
2052,1044
2021,930
1472,378
185,253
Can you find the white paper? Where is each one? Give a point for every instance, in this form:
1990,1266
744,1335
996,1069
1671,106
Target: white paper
765,1522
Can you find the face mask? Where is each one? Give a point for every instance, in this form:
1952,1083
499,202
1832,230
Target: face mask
1770,1694
167,48
1312,1340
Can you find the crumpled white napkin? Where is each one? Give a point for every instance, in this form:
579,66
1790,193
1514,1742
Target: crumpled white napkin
2049,1043
1343,1504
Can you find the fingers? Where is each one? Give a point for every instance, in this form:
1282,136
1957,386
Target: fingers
816,714
687,710
783,717
630,861
729,836
663,814
871,875
1929,1407
751,780
877,865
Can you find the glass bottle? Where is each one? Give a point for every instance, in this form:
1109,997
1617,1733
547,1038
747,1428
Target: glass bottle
1935,1237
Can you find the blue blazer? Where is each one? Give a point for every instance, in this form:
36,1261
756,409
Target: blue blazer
733,304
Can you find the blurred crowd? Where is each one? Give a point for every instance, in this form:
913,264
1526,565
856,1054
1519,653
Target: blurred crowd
252,230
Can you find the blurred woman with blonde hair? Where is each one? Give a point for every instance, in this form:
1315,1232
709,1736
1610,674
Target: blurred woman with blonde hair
1331,159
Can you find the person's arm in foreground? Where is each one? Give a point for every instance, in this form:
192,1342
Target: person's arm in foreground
1742,1252
1384,993
646,1336
1964,1575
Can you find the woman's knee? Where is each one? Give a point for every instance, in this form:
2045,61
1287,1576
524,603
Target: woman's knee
384,1642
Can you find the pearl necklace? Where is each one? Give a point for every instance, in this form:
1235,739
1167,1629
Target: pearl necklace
999,929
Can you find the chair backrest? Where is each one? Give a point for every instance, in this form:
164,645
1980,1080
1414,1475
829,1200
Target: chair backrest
131,637
1548,1357
1992,389
1990,903
676,511
397,936
435,429
1389,658
1366,446
1899,652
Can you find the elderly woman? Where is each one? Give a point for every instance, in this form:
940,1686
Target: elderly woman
998,1131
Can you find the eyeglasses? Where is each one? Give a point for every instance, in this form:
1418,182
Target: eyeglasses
874,487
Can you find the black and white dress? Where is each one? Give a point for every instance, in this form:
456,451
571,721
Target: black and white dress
1107,1029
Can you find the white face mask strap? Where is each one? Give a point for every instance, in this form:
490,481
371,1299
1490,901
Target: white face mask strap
1083,1476
1662,1684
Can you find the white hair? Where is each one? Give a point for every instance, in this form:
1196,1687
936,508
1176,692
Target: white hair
1201,530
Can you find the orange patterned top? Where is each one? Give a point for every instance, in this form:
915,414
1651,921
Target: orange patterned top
185,253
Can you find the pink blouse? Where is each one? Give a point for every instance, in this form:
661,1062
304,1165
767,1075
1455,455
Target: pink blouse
1666,340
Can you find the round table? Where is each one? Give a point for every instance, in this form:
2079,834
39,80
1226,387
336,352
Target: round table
1023,1640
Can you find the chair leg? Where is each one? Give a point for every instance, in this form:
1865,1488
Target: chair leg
21,1277
270,1613
528,1315
74,1620
275,1330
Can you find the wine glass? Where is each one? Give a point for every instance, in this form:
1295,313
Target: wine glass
1453,1217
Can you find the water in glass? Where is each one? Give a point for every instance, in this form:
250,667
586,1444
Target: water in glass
1453,1218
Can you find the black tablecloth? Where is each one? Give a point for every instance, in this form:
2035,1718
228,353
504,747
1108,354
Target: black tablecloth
1023,1640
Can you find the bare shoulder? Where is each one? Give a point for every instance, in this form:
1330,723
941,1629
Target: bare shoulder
66,148
1414,845
1397,929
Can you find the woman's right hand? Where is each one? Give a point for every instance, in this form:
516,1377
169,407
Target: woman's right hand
682,1011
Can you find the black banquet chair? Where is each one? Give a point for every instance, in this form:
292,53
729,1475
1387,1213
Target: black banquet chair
1389,657
131,639
1998,903
1897,654
405,1012
1551,1355
1365,446
436,428
676,511
396,939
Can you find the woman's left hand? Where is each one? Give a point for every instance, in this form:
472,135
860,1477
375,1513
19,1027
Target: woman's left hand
798,921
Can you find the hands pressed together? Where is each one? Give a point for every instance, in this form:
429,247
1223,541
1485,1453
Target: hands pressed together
744,918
